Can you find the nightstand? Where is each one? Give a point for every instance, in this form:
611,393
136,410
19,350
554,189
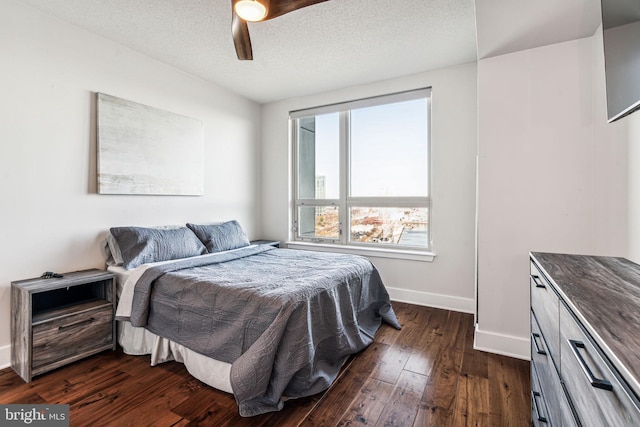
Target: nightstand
274,243
60,320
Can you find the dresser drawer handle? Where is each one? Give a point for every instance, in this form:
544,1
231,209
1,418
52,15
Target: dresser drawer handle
71,325
534,397
595,382
538,281
534,337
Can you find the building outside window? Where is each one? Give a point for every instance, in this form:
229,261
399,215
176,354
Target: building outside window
362,172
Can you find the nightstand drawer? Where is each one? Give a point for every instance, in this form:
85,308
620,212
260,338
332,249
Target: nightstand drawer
72,335
596,392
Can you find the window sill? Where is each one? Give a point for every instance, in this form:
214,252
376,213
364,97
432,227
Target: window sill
365,251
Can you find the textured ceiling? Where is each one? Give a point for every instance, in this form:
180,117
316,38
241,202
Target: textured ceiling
330,45
506,26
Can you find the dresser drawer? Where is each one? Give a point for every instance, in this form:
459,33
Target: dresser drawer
545,304
539,413
71,336
598,396
557,403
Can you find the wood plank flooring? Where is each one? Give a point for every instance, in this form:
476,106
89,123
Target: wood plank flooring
427,374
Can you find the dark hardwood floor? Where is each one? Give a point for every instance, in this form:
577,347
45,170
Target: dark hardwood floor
427,374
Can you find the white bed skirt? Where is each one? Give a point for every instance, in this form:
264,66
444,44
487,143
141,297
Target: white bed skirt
139,341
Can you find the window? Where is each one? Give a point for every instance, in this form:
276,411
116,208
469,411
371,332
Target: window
361,172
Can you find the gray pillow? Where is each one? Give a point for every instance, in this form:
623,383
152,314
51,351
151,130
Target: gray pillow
221,237
140,245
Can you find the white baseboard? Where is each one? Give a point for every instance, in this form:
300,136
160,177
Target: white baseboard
5,356
447,302
505,345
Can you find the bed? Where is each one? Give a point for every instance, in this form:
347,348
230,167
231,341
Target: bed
262,323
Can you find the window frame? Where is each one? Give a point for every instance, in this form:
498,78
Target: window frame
345,201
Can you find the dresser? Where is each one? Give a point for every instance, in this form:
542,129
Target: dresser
585,340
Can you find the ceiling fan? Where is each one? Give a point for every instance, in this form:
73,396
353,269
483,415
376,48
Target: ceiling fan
258,10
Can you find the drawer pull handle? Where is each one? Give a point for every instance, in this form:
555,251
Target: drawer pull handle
71,325
534,337
595,382
534,397
538,281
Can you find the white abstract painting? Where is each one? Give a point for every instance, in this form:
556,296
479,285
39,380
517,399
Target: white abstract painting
144,150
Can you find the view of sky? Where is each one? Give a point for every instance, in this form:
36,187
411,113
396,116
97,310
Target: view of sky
389,150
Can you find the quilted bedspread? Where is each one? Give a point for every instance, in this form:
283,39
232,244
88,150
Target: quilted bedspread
285,319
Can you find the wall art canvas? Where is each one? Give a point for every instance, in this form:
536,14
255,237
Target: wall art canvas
145,150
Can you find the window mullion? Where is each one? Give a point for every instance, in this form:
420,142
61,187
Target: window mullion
388,201
318,202
344,176
293,229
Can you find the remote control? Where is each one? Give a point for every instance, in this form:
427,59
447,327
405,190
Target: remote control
51,275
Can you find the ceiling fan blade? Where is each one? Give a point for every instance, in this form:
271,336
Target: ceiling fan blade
240,33
240,29
280,7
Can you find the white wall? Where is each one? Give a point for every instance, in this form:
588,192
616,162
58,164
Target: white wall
552,177
448,281
633,139
51,216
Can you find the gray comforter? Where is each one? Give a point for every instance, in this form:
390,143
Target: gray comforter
286,320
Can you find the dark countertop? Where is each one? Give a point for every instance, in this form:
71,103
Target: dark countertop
604,293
